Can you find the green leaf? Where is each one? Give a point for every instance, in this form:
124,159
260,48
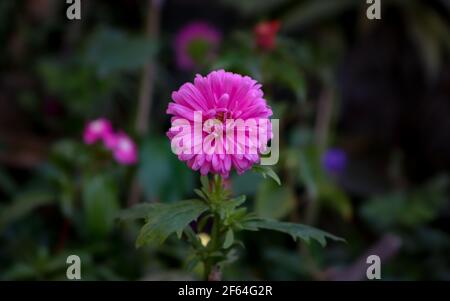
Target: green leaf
23,205
266,171
333,197
254,7
201,194
111,50
205,182
139,211
273,201
100,204
407,209
226,208
157,170
229,239
165,219
297,231
7,183
192,263
314,11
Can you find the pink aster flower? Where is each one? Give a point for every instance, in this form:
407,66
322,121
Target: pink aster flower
124,149
96,130
207,131
195,43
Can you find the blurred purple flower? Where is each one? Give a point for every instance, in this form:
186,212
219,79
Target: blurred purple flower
334,160
196,41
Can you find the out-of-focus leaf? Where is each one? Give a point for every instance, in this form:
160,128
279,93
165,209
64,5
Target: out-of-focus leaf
100,204
431,33
7,183
19,271
297,231
266,171
273,201
310,171
288,74
332,196
254,7
24,204
247,183
407,209
166,219
159,170
111,50
319,185
76,85
139,211
313,11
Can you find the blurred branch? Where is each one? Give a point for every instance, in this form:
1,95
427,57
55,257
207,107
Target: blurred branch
324,114
148,74
147,88
323,121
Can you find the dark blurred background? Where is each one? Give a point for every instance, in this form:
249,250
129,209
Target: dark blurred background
363,105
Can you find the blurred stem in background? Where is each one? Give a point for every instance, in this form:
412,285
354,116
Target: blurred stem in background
323,122
322,126
147,87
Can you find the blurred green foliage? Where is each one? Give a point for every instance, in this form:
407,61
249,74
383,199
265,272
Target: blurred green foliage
67,203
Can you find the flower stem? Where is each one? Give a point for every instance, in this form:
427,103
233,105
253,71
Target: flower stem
210,264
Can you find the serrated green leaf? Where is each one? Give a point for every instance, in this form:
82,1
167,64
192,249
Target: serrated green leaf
165,219
266,171
297,231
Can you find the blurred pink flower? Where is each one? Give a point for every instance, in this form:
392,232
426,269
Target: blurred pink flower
196,38
220,96
124,149
97,130
110,140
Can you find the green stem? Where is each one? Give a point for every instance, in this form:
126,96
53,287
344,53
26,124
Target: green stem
214,245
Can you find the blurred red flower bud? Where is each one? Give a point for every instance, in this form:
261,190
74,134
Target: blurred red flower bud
266,33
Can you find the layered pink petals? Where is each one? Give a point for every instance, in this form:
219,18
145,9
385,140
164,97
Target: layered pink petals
223,96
